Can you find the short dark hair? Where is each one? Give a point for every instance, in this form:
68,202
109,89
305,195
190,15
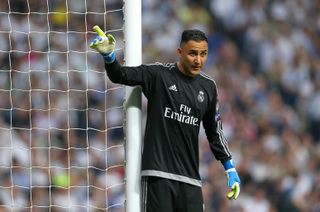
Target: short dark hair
193,34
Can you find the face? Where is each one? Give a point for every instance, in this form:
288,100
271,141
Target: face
192,57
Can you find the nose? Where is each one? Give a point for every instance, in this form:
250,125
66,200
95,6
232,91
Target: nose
197,59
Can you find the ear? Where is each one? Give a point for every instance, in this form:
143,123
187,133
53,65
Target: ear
179,52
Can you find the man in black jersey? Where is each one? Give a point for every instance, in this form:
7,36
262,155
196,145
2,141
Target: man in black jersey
179,97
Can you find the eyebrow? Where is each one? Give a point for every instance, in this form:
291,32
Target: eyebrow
193,50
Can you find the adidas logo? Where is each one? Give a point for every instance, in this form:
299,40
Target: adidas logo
173,88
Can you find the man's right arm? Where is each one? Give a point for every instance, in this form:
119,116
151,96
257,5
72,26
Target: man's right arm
114,71
143,75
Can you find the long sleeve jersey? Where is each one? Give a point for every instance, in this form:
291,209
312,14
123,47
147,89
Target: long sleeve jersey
176,106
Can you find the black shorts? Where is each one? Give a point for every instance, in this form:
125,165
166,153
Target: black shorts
165,195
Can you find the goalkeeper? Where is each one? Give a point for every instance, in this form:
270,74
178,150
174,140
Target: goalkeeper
179,97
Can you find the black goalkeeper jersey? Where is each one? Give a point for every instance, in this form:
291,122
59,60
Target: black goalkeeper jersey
176,106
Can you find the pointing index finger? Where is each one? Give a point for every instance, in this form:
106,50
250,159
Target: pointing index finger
97,29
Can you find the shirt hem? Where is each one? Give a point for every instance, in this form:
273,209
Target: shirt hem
171,176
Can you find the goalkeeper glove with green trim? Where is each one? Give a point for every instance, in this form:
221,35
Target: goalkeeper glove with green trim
104,44
233,179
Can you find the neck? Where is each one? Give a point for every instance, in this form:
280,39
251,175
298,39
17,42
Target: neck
182,71
181,68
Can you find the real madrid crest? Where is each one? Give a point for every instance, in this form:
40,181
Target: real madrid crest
200,96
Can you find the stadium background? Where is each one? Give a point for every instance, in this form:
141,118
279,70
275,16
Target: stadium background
264,56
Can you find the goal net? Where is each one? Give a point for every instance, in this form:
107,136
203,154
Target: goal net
61,119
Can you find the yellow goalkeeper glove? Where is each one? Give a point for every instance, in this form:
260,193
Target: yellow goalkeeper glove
233,179
104,44
234,192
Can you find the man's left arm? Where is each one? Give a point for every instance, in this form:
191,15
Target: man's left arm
213,127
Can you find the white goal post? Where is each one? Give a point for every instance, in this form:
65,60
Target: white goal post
133,46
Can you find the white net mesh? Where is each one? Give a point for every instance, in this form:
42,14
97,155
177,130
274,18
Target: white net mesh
61,138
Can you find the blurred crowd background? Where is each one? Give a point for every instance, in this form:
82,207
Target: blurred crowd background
61,135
